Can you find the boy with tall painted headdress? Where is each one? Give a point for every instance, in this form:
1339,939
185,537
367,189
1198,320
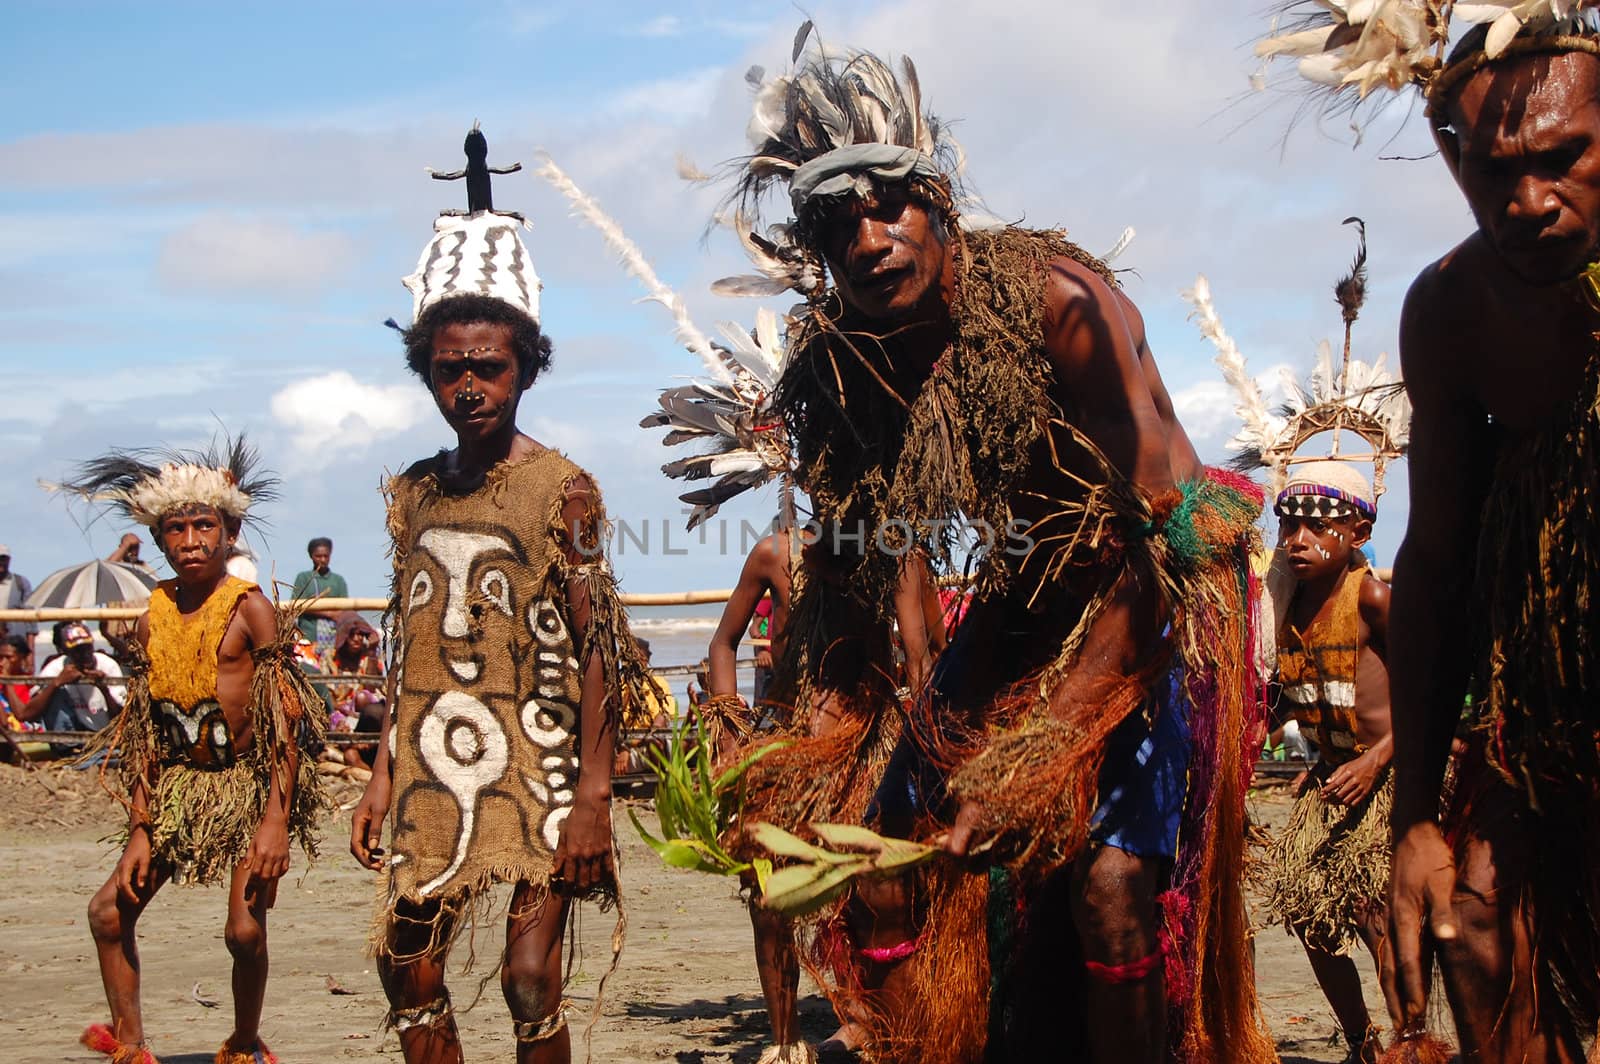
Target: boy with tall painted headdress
217,786
1495,584
1096,705
512,660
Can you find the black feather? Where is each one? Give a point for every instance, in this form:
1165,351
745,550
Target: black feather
1351,291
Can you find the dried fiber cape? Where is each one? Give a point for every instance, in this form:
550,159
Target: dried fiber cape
487,675
1538,664
206,801
1329,869
962,445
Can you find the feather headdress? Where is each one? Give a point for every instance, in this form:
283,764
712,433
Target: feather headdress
748,443
1366,400
835,126
1354,48
148,483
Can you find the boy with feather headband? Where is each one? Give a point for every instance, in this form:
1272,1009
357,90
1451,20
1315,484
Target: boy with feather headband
1001,378
207,739
1498,343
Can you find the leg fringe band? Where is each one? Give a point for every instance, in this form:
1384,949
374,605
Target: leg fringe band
99,1037
259,1055
789,1053
529,1031
1418,1048
433,1014
889,954
1132,972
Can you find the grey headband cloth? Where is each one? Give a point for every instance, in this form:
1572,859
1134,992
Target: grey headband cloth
853,169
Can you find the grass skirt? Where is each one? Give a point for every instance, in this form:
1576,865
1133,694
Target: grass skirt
1329,869
202,821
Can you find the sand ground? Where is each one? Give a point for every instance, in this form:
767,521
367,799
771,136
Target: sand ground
686,990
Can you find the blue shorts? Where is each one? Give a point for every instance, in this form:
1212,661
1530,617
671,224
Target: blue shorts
1143,782
1145,777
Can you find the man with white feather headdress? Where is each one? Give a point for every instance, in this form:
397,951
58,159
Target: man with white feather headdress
827,755
1498,343
1098,694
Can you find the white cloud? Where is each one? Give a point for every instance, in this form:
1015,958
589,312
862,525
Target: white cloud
252,257
660,26
337,412
1206,408
680,97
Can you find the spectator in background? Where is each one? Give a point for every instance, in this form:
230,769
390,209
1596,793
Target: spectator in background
355,706
242,562
15,660
75,695
320,628
14,591
127,553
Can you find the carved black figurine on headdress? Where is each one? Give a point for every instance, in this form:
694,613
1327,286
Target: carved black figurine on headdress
480,195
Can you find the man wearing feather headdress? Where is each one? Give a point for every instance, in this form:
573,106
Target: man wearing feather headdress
207,740
513,661
1498,343
1001,378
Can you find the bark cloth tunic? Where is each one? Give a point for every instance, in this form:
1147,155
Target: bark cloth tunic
487,676
1329,869
206,798
967,444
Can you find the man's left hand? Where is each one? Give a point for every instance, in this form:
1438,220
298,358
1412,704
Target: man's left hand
969,835
269,850
1352,781
583,857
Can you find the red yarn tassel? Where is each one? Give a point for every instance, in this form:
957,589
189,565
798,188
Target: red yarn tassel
1422,1048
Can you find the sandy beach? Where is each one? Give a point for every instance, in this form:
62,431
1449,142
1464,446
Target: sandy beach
686,990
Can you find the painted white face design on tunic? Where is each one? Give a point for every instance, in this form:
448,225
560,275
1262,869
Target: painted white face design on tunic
456,551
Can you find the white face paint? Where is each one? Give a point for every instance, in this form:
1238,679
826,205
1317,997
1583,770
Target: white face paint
455,551
1322,551
466,750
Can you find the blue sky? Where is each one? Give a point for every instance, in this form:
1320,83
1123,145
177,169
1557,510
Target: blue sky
205,212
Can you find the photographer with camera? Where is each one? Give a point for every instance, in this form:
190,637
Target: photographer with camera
75,695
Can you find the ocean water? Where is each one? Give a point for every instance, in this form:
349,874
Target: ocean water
679,636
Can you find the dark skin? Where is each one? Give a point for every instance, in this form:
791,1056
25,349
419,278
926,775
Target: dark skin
195,542
1319,552
895,269
767,572
1525,150
477,385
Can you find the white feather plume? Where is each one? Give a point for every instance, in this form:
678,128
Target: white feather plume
1262,429
636,264
1119,247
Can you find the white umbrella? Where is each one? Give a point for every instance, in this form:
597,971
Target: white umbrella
91,584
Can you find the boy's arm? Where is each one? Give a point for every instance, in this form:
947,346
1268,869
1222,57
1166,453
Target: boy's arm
366,821
583,859
754,582
269,850
133,869
912,616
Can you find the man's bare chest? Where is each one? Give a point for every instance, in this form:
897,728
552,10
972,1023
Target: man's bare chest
1527,373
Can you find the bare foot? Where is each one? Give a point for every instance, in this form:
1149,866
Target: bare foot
844,1043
